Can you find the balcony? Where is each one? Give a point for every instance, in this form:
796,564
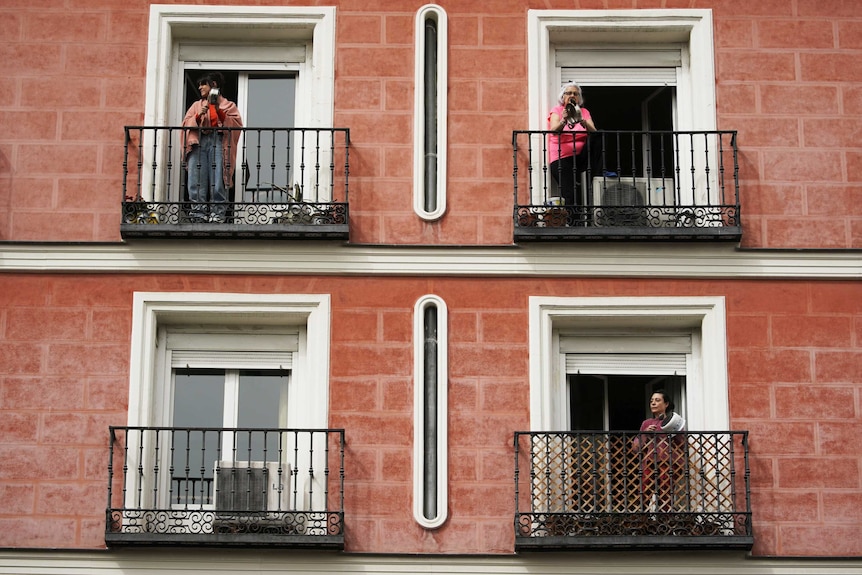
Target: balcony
606,490
288,183
216,486
639,186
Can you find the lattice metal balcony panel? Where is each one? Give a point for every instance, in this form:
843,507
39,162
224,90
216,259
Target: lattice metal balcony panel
214,486
625,489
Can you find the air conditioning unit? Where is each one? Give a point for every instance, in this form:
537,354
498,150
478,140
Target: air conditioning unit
251,486
633,202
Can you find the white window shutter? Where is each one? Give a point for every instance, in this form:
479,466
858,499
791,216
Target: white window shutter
626,363
608,66
208,359
607,354
260,53
234,350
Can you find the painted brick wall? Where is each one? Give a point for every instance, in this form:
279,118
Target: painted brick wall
788,81
795,368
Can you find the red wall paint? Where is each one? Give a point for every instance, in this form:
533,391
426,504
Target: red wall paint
787,80
64,352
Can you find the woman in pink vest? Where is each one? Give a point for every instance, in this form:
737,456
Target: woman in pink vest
569,152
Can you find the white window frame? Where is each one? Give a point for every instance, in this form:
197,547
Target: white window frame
706,395
310,366
692,29
312,27
442,475
150,377
230,349
438,14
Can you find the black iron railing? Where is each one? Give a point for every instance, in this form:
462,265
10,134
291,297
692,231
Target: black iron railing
278,182
199,486
628,489
627,185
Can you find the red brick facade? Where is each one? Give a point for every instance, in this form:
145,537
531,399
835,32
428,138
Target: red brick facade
65,365
788,79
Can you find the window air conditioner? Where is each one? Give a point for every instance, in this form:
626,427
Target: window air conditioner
633,202
248,486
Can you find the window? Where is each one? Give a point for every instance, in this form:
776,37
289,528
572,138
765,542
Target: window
226,361
635,47
641,70
592,363
430,412
222,378
430,112
628,89
228,332
268,55
588,347
610,376
269,159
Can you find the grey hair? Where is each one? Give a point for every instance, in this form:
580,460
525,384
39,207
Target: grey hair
568,85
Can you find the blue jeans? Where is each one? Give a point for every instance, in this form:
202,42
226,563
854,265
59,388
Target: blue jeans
206,181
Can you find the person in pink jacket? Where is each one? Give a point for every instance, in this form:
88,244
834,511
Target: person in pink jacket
209,150
569,154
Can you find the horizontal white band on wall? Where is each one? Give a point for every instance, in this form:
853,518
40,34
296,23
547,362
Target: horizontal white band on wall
253,562
723,261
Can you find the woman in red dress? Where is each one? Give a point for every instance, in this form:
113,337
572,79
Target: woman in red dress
660,455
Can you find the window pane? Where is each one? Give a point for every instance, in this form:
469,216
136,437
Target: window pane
587,397
271,104
198,403
261,402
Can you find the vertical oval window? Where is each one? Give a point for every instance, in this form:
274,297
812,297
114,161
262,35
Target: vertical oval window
430,412
430,113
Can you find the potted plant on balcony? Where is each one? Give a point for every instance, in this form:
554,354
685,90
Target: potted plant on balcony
138,211
299,212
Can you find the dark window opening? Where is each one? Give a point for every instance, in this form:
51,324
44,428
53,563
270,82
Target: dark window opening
617,402
634,108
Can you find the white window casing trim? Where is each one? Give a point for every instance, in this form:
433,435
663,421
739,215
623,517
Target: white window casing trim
169,22
310,313
442,491
706,368
439,15
696,81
